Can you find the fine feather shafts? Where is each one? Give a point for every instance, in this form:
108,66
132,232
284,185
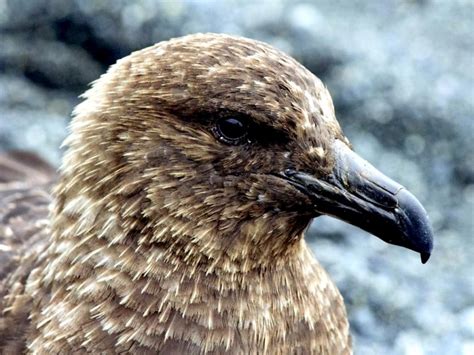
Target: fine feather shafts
165,235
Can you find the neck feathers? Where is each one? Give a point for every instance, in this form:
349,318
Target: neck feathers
146,298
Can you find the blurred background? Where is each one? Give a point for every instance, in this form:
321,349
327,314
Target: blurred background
401,75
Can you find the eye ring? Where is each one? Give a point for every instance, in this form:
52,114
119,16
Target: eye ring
231,130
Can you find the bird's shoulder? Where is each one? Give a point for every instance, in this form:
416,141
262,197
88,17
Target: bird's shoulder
25,183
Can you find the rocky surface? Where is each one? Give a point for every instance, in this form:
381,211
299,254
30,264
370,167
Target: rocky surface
401,74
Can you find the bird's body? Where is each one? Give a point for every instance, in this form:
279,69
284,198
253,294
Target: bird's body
170,230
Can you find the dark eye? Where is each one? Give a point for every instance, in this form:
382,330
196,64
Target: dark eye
231,130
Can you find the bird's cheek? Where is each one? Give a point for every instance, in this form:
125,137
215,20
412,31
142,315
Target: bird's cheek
271,194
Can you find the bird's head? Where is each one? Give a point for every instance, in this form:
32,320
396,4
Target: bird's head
225,147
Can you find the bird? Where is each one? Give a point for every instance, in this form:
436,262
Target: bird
175,223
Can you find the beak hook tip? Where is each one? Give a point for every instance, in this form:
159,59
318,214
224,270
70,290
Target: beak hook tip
424,257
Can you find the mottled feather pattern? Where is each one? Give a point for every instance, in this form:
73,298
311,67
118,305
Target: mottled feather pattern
25,181
21,166
160,238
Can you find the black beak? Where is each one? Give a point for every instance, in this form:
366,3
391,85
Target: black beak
359,194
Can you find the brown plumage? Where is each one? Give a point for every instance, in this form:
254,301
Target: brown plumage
166,236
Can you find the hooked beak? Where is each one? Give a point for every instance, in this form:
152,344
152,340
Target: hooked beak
359,194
